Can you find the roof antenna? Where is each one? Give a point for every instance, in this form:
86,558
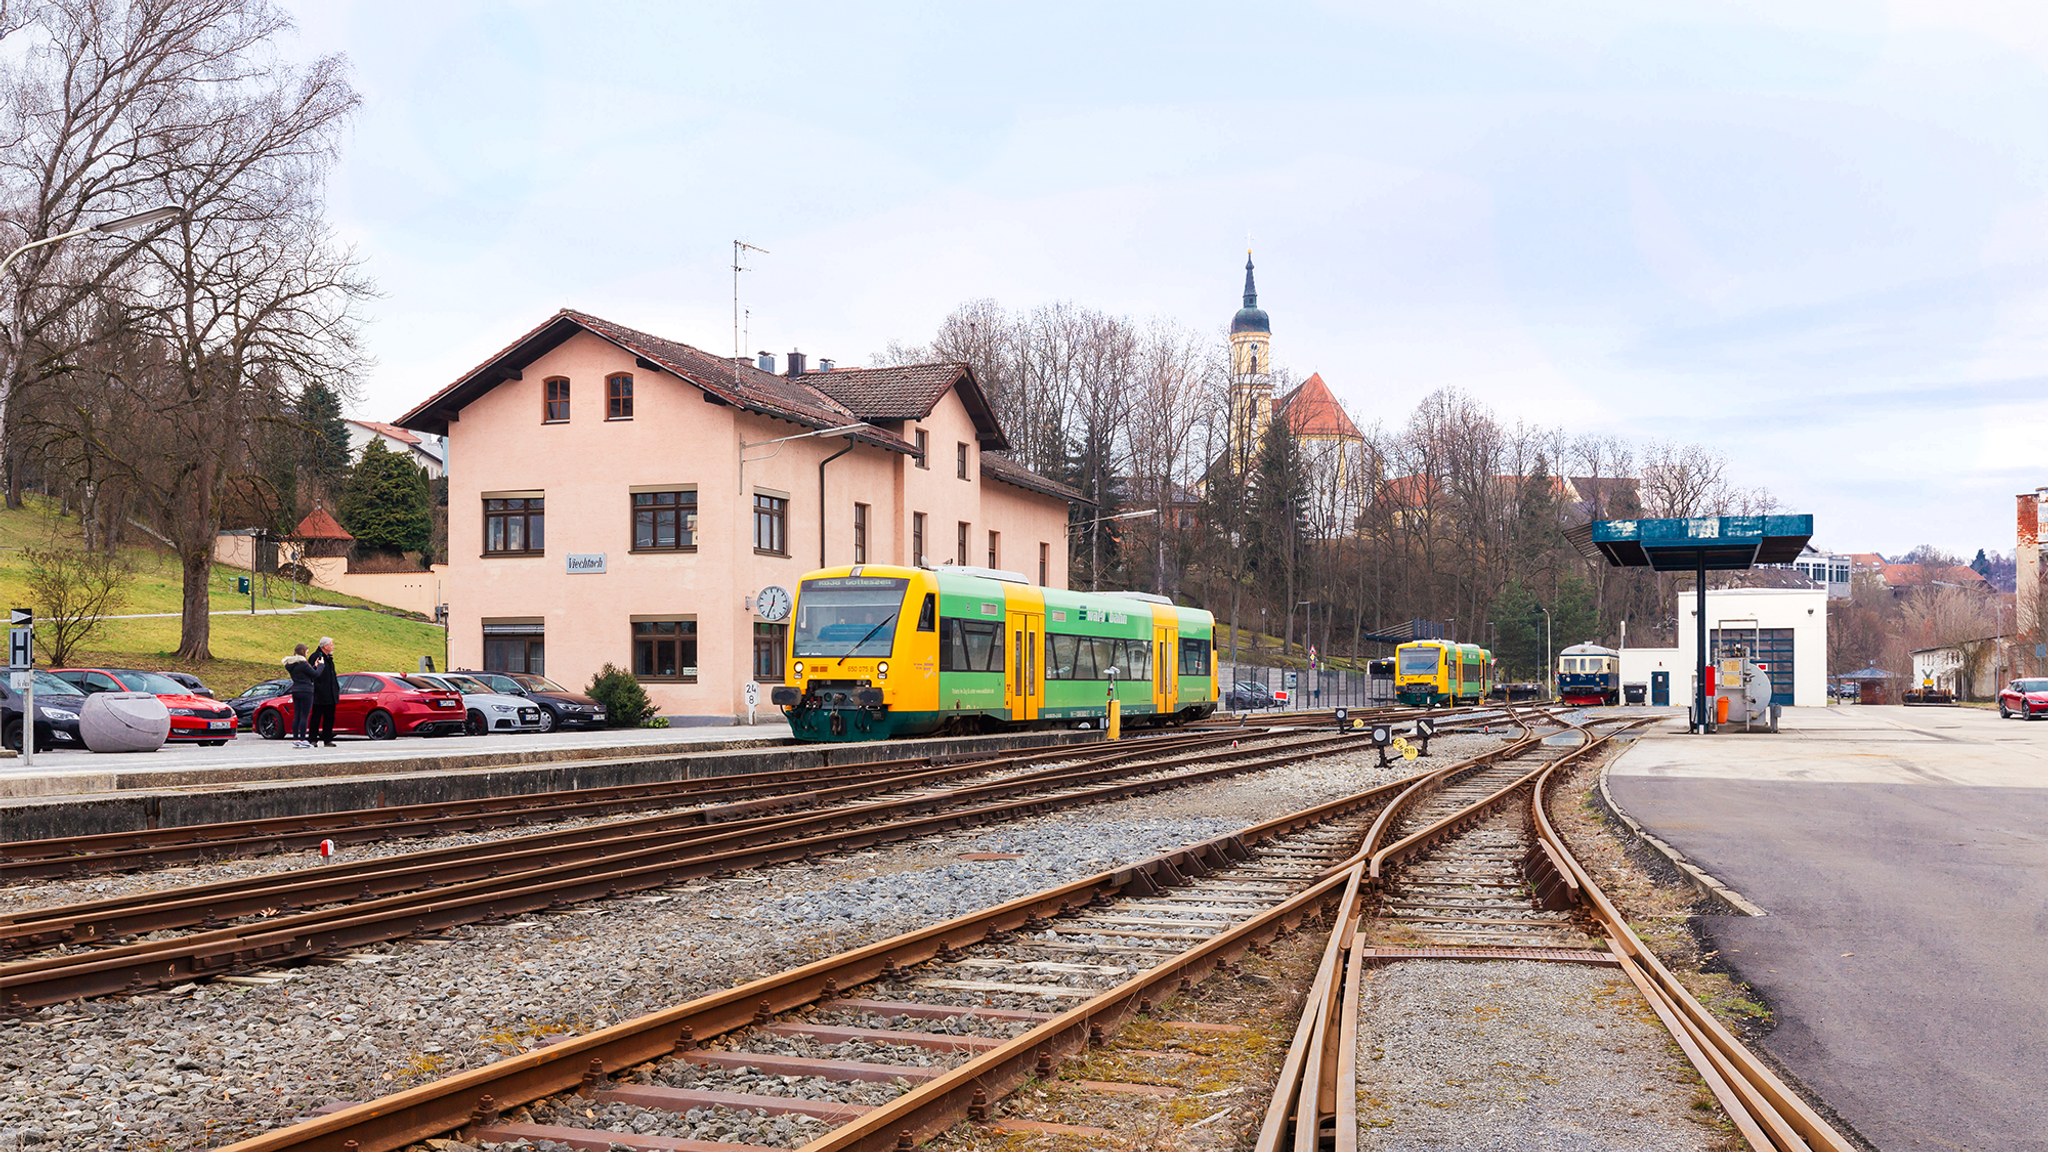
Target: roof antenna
739,246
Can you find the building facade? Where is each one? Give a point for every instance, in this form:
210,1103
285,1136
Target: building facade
619,498
427,452
1784,629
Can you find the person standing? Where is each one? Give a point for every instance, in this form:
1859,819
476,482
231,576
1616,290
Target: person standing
302,694
326,693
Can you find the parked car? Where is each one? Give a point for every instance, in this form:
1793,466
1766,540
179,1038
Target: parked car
487,711
57,704
559,707
194,719
193,684
245,704
379,705
1246,695
2025,699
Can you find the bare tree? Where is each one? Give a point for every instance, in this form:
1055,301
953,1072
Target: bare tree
73,591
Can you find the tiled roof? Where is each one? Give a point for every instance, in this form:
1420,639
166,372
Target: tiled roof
739,384
1003,468
318,525
910,392
1311,410
1909,575
391,430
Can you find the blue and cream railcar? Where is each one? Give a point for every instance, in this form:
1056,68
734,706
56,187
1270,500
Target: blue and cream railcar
877,651
1589,674
1429,673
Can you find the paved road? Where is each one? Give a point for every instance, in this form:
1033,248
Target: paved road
1902,856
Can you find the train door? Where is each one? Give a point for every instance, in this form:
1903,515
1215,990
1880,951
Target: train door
1165,669
1027,641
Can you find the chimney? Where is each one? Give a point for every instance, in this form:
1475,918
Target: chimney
766,362
824,365
2026,561
796,363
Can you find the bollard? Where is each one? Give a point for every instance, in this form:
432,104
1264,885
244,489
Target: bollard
326,851
1116,720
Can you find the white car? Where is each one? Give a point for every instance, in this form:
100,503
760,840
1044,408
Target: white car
488,711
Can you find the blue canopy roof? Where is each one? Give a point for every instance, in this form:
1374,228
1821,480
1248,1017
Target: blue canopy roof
1723,543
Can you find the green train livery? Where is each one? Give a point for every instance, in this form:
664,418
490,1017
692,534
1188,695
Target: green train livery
1428,673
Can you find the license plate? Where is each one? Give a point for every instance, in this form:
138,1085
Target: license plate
444,703
220,723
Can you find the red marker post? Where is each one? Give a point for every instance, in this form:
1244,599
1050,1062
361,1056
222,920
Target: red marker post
326,851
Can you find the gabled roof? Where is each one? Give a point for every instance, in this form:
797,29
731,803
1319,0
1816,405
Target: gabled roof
318,525
1311,410
994,467
720,378
910,393
392,431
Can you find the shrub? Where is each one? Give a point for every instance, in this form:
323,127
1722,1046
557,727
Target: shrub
625,703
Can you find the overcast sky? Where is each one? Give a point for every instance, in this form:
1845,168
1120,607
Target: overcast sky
1814,237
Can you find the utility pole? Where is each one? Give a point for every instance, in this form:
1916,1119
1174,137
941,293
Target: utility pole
738,247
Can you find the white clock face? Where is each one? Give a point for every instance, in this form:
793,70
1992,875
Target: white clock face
773,603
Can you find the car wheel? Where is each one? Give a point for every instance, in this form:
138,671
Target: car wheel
269,724
548,720
378,726
2003,712
12,737
474,725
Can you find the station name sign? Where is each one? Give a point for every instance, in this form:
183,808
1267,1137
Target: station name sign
586,563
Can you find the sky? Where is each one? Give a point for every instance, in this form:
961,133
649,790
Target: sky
1813,237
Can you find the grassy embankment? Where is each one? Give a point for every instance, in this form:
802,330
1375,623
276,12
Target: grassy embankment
246,648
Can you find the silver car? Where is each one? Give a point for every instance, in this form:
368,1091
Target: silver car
488,711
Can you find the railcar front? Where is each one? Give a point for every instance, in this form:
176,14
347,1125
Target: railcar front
856,639
1422,673
1589,674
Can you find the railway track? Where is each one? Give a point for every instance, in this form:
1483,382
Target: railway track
1467,865
294,917
916,1009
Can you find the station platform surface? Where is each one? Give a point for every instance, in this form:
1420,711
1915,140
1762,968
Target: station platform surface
1901,858
250,757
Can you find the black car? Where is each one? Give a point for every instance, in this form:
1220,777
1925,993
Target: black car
559,707
245,704
57,705
197,685
1246,695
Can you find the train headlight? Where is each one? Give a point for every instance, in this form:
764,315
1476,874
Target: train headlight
882,670
797,670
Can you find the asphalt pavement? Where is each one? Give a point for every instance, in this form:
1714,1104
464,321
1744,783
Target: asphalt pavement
1901,856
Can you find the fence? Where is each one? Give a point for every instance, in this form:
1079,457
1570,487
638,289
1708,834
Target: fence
1312,690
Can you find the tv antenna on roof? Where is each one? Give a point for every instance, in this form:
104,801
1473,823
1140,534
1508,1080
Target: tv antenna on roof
738,247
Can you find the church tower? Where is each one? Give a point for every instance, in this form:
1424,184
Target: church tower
1251,376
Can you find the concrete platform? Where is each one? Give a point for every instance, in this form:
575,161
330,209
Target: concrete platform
382,774
1901,858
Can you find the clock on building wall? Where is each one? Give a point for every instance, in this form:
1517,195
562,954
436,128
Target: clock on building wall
773,603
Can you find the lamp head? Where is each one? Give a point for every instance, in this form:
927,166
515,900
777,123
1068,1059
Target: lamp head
140,220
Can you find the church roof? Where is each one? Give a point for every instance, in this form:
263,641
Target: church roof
1250,318
1311,410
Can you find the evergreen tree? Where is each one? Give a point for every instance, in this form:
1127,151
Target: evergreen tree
1981,565
324,452
1278,528
386,505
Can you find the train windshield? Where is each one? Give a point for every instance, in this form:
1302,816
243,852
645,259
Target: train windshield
1418,662
847,616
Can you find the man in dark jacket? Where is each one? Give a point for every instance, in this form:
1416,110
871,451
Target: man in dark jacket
326,693
302,694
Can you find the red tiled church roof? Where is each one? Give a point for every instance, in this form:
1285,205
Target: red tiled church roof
1311,410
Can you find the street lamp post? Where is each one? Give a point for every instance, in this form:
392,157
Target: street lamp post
119,224
1093,562
1549,681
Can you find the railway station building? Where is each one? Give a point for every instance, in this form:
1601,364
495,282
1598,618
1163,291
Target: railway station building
620,498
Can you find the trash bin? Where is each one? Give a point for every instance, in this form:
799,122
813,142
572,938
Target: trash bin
1634,693
241,585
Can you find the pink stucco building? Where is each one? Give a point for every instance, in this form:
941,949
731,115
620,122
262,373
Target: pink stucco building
615,497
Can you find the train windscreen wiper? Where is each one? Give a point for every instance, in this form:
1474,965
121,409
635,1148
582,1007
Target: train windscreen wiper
866,638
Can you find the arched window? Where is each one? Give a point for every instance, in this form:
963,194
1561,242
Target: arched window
618,396
556,409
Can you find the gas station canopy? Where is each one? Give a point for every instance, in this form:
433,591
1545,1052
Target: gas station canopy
1717,543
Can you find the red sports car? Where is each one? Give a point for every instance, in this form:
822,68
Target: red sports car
194,719
379,705
2025,699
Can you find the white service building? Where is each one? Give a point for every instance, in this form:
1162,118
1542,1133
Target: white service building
1785,630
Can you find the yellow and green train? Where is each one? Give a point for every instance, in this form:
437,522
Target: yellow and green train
877,651
1428,673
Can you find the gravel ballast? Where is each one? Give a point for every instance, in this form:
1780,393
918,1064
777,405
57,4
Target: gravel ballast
214,1062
